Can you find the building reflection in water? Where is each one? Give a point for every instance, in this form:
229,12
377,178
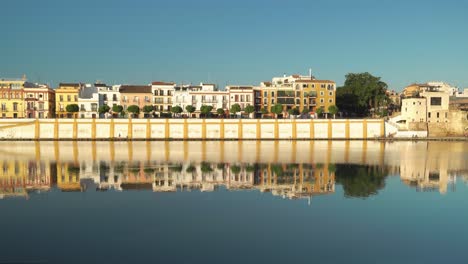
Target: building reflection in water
285,169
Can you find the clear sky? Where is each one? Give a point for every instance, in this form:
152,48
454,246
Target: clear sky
233,42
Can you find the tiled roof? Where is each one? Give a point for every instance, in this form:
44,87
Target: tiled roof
70,84
161,83
135,89
314,81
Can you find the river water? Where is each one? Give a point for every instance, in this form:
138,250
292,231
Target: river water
234,202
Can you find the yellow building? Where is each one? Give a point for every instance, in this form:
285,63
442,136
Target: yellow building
66,94
12,178
323,90
11,98
302,92
68,177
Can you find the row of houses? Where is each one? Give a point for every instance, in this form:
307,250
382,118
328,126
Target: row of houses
22,99
22,177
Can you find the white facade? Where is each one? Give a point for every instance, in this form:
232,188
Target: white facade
242,95
413,110
88,101
162,96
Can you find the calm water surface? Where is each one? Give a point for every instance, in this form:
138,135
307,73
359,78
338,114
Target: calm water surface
234,202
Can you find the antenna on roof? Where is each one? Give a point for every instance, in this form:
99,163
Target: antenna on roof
310,73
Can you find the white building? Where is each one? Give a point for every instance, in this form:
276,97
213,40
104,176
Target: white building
108,95
162,95
88,101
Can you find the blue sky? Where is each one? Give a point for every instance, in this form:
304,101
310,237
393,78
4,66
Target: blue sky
233,42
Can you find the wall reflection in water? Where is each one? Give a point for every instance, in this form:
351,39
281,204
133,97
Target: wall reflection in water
288,169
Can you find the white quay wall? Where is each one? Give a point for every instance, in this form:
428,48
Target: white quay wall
179,129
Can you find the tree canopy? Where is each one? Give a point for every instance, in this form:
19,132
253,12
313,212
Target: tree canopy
103,109
249,109
235,108
220,111
72,108
361,180
134,109
117,108
294,111
177,109
206,109
333,109
190,108
147,108
360,93
277,109
320,111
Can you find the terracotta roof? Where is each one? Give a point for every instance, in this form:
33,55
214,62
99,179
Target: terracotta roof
314,81
296,76
135,89
70,84
161,83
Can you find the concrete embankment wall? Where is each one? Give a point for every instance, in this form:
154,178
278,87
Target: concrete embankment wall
190,129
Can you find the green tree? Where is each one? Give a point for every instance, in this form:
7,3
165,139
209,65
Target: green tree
277,109
235,108
206,110
361,180
117,109
147,109
235,169
360,93
176,110
134,110
220,112
293,111
249,109
320,111
72,109
190,109
333,109
103,109
264,111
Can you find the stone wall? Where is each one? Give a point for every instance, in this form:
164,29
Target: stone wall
456,125
186,129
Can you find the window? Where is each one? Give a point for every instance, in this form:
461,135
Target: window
76,98
429,115
68,98
15,106
265,94
242,98
321,100
247,98
436,100
446,115
330,93
61,98
94,107
437,114
330,100
304,86
321,93
322,86
272,94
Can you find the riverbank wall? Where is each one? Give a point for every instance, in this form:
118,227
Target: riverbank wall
190,129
